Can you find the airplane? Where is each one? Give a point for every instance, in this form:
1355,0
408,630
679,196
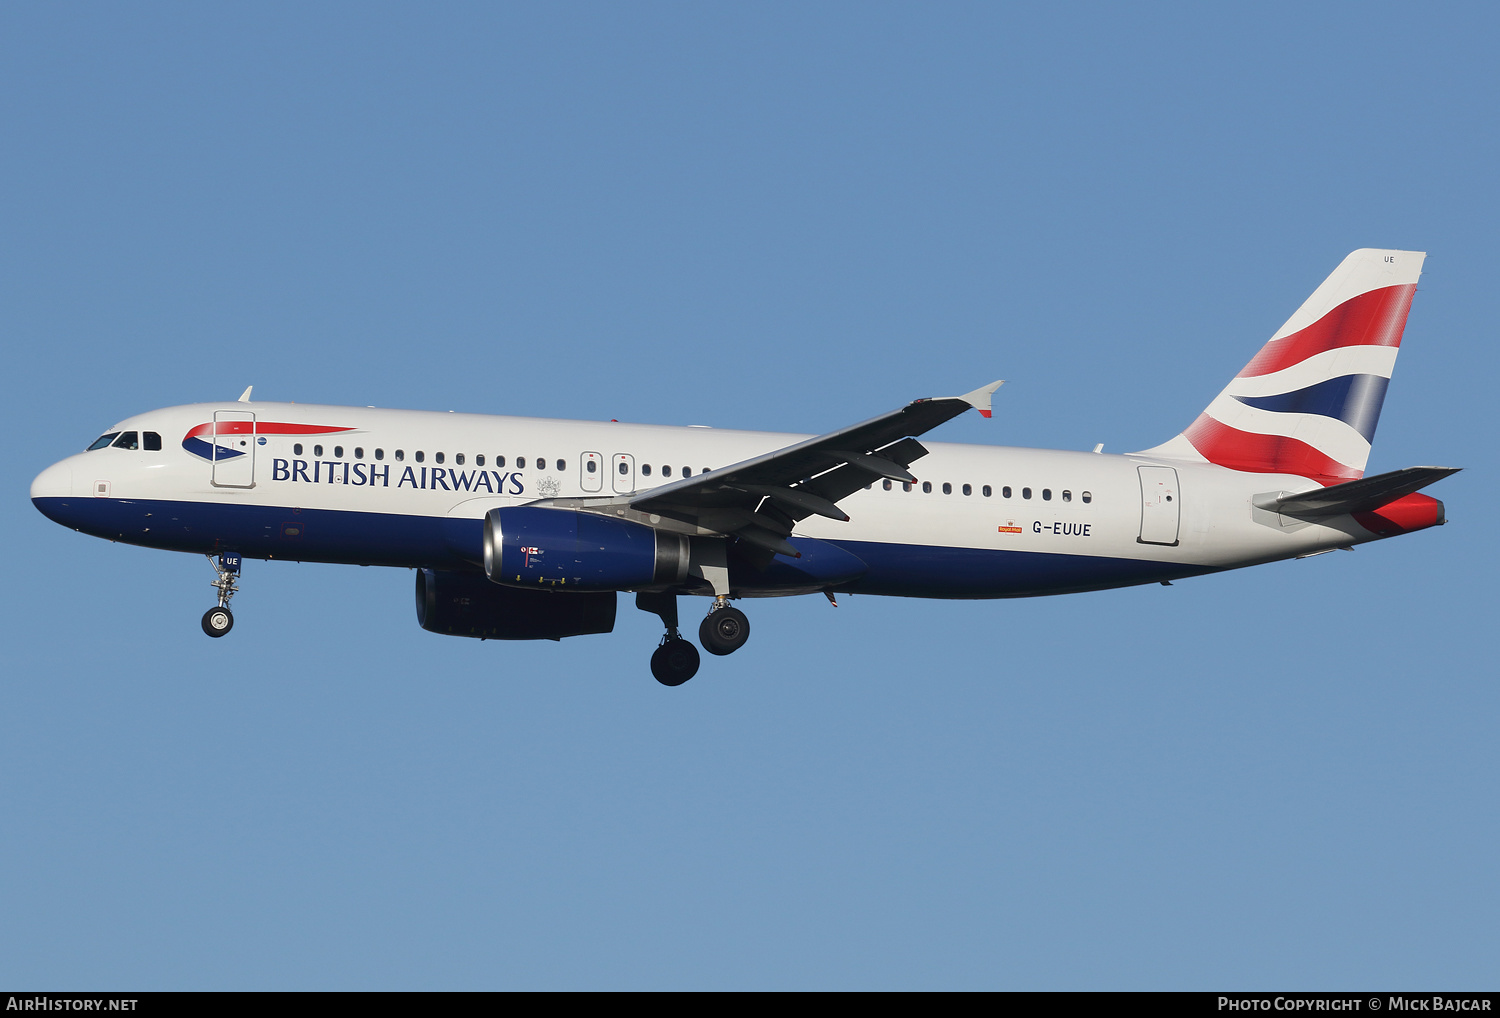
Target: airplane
525,529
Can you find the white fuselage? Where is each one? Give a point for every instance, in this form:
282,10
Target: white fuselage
402,487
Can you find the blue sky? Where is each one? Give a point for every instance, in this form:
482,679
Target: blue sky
783,217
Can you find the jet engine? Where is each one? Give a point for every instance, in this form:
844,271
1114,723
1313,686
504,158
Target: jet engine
565,550
467,604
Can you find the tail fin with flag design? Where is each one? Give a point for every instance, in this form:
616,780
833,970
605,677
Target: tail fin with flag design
1308,403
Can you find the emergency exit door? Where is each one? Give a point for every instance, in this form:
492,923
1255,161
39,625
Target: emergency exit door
233,444
1161,509
622,470
591,471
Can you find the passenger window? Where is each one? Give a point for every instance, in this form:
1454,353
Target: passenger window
624,467
968,490
419,455
687,471
317,450
927,487
947,488
591,466
666,471
906,486
985,491
704,470
128,440
1067,495
541,463
499,461
563,465
297,449
1046,494
437,457
520,462
102,441
1087,496
380,454
338,452
1025,492
458,458
153,441
1005,491
479,460
886,485
645,469
400,455
359,453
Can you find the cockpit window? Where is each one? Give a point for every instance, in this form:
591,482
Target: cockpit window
152,441
102,441
128,440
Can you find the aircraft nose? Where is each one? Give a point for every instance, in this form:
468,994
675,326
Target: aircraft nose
54,482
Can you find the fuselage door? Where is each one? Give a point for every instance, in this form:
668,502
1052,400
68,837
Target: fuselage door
1160,507
622,469
233,442
591,471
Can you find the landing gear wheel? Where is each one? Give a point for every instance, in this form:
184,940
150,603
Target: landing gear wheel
724,631
674,662
217,621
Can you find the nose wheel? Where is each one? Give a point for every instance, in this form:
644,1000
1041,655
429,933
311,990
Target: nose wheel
219,620
724,630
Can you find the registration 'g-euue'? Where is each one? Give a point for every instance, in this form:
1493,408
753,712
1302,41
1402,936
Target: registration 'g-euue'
527,529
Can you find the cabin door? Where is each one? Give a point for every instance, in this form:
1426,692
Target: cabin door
1161,509
233,442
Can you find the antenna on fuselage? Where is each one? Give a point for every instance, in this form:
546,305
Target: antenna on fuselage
245,396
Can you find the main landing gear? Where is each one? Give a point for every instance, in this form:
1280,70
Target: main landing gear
218,620
724,631
675,660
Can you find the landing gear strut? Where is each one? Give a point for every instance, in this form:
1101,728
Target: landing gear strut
675,660
219,620
724,630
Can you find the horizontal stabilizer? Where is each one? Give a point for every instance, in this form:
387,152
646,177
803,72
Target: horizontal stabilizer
1362,496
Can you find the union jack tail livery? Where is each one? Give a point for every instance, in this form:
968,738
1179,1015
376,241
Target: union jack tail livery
1308,403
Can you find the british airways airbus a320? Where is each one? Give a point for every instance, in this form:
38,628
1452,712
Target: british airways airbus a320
526,529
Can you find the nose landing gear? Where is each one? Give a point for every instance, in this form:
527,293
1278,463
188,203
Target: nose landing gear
218,620
724,630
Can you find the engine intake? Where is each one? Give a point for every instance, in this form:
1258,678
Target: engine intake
563,549
466,604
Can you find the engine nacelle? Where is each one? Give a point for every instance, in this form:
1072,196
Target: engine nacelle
467,604
562,549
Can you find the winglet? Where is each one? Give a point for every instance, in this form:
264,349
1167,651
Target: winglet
979,399
245,396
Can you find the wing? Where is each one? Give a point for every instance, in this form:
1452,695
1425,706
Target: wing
762,498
